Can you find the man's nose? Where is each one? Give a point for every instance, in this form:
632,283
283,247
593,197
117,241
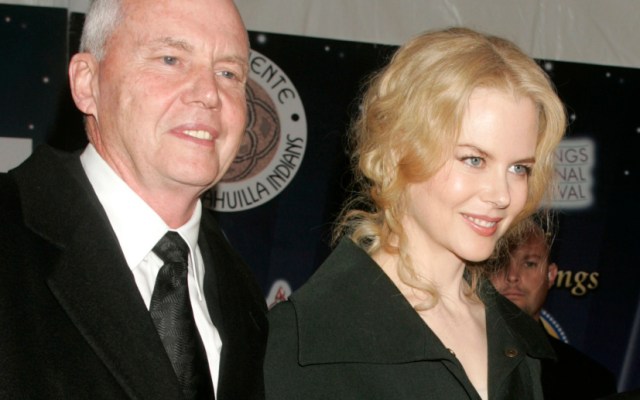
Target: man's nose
513,273
203,90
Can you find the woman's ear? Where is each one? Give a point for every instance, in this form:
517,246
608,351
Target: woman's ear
83,72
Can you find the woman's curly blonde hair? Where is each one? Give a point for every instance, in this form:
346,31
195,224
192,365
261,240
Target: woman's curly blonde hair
409,122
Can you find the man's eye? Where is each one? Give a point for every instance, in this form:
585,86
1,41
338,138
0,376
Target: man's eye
530,264
228,74
169,60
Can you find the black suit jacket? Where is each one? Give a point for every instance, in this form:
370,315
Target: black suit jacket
72,322
574,375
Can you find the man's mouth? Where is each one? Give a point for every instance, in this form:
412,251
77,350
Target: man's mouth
198,134
512,294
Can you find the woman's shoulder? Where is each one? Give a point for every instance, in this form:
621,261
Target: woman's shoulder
345,310
344,269
328,294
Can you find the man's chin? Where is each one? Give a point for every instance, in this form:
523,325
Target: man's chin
516,299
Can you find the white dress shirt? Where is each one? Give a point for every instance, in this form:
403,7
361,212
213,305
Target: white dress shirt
138,229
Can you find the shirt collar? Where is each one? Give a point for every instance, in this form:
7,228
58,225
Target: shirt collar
137,226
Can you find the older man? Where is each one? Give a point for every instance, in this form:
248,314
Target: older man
526,280
115,283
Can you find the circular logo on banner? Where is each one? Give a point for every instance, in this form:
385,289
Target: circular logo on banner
274,141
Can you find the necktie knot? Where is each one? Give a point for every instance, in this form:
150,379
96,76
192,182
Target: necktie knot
171,248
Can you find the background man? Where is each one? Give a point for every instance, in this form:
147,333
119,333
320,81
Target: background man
116,283
526,280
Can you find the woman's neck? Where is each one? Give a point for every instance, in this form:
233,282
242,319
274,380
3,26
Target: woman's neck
441,275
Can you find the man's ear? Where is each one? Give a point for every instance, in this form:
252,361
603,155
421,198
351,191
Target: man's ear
83,74
552,274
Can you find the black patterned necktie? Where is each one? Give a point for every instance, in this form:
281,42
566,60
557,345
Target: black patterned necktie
173,317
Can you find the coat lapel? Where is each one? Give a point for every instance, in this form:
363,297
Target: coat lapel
90,277
363,318
514,336
361,315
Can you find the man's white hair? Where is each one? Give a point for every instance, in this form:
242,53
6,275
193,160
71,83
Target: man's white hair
101,20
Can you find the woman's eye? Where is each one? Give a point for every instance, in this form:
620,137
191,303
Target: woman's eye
474,161
521,170
169,60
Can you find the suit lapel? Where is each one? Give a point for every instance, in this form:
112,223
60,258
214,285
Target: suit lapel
212,259
90,278
239,317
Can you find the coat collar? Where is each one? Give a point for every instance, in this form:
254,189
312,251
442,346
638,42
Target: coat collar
350,311
512,335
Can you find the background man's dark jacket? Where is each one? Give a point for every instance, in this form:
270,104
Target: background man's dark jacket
574,375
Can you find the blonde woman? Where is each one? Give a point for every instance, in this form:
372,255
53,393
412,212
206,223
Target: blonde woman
454,144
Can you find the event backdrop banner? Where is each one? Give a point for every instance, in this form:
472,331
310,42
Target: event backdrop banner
278,202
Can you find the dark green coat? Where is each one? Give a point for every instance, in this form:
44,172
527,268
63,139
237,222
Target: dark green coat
349,334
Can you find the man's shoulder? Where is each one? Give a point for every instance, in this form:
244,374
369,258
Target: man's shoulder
575,372
570,356
48,172
10,209
8,191
45,157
